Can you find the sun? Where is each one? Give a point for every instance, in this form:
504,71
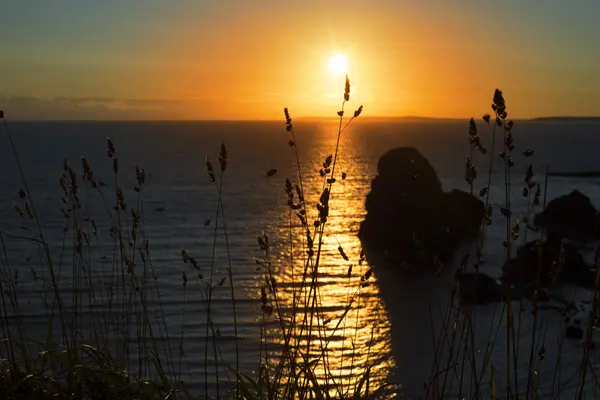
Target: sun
338,64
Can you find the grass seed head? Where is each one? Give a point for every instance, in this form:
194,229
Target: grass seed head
111,147
499,105
223,157
529,153
88,174
271,172
288,120
209,169
140,175
347,89
343,254
358,111
529,174
472,127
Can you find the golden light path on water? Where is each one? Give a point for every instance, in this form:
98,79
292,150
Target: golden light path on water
350,333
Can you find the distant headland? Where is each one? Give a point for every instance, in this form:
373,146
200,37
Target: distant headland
414,118
566,118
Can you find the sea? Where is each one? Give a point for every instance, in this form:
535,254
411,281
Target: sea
387,321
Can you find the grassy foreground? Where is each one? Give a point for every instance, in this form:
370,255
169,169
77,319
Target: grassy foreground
108,338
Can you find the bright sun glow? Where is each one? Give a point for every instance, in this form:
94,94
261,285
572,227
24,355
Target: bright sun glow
338,64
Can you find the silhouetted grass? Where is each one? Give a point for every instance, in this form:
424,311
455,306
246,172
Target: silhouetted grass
108,338
461,321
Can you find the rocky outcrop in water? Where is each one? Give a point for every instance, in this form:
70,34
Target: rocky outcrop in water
551,261
571,216
478,288
566,220
410,218
463,213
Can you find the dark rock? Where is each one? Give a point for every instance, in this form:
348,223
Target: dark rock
478,288
407,164
574,332
570,216
402,202
464,213
556,263
513,272
409,217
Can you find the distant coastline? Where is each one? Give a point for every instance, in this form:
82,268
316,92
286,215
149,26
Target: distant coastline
380,118
409,118
574,174
426,118
566,118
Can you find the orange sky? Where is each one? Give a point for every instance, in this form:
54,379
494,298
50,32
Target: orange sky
248,60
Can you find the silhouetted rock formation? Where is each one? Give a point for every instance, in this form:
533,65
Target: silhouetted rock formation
409,217
574,332
464,213
553,267
477,288
559,263
570,216
480,288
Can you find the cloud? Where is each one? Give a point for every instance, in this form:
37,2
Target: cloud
108,108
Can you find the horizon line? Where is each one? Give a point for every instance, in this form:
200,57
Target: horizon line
306,118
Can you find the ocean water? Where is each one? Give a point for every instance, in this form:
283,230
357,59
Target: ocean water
179,206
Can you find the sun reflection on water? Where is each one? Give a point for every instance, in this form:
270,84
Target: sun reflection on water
347,335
